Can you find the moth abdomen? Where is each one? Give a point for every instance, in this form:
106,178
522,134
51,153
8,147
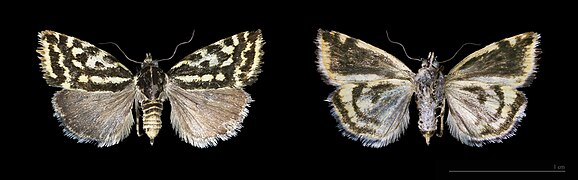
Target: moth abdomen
152,110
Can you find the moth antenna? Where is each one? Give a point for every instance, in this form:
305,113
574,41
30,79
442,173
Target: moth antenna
387,34
125,56
174,52
459,51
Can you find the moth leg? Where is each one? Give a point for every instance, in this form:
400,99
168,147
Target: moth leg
441,120
138,119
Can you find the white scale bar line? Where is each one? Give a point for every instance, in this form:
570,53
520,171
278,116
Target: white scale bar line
507,171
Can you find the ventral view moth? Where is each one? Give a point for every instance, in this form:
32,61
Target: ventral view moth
374,90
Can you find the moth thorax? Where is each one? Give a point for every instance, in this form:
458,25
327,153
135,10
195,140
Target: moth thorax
429,92
152,110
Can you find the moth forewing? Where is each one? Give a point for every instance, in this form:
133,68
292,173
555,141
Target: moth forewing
511,61
71,63
343,59
231,62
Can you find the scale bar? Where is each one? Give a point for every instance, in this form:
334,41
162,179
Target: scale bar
507,171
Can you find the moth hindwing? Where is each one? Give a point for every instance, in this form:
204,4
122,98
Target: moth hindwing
374,90
205,89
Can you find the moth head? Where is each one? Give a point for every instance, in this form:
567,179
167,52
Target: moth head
430,61
149,61
148,58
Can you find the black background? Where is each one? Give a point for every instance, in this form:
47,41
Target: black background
289,130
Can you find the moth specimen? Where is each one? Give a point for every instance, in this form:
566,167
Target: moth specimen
205,90
374,90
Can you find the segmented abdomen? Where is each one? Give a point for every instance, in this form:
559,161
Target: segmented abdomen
152,110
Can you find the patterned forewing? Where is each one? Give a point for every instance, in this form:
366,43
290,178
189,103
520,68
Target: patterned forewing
71,63
509,62
231,62
343,59
375,113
